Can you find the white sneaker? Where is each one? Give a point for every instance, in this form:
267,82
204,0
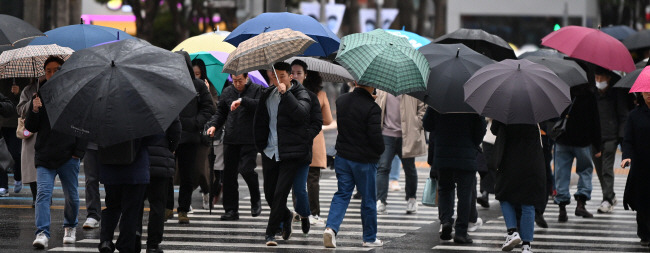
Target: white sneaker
376,243
381,207
614,201
70,236
605,207
190,211
412,206
4,192
41,241
206,201
473,226
394,186
315,220
511,241
329,238
526,249
91,223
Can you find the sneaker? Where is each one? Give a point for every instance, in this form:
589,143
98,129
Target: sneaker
41,241
511,242
605,207
473,226
169,213
526,249
381,207
316,220
614,201
645,242
3,192
206,201
394,186
329,238
70,235
376,243
305,225
182,218
484,200
412,206
296,219
270,241
18,186
462,239
190,211
91,223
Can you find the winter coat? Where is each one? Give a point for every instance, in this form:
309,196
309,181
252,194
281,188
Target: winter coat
162,161
319,152
198,111
521,173
27,153
411,112
583,125
359,125
613,111
315,118
11,121
294,138
238,123
636,147
134,173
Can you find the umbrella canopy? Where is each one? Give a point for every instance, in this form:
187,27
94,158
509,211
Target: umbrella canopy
641,64
384,61
638,40
261,51
619,32
205,43
451,66
81,36
480,41
642,83
517,92
117,92
591,45
13,30
213,68
328,71
416,40
569,71
328,42
628,80
28,61
544,52
254,76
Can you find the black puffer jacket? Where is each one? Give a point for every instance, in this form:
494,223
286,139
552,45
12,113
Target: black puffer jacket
294,138
239,123
583,125
161,151
315,117
198,111
359,123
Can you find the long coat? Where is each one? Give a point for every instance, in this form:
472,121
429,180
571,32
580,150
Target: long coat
636,146
27,167
411,111
319,154
521,174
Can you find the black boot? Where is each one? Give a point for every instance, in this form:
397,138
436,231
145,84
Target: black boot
106,247
563,216
581,210
540,221
484,199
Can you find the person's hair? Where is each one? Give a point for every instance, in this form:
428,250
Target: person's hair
301,64
598,70
313,82
282,66
245,75
53,59
199,63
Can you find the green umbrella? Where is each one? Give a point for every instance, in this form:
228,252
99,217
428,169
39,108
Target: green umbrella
213,68
384,61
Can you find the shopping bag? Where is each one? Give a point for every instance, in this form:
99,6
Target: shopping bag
430,195
6,161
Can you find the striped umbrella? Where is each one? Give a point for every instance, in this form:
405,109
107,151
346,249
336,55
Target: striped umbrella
330,72
28,61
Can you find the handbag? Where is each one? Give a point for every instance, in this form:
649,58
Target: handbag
6,161
559,127
21,132
123,153
430,195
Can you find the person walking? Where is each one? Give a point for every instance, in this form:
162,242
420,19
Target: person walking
55,154
9,123
236,110
27,167
281,134
359,146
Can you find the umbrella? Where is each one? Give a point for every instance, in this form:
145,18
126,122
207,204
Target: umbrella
480,41
591,45
569,71
213,68
628,80
205,42
642,83
254,76
28,61
544,52
517,92
619,32
384,61
13,30
639,40
416,40
451,66
328,71
117,92
641,64
81,36
328,42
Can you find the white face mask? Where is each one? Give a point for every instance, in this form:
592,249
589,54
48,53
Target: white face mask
601,85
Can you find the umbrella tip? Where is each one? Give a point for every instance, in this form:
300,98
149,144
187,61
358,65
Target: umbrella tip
598,27
118,35
112,63
82,21
403,28
519,66
457,52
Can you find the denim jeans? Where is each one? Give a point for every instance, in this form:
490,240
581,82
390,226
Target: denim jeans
68,174
394,169
392,147
349,174
301,199
527,223
564,156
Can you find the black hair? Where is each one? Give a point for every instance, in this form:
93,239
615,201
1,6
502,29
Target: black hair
598,70
300,63
199,63
245,74
313,82
53,58
282,66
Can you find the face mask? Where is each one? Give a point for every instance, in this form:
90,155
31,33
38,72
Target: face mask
601,85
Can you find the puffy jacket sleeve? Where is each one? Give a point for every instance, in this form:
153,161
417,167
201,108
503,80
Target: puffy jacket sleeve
80,147
219,118
298,104
33,119
315,116
595,129
174,134
252,101
375,138
206,106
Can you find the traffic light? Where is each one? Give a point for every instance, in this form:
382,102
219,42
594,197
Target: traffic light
556,27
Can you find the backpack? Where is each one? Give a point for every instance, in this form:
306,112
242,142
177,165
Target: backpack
123,153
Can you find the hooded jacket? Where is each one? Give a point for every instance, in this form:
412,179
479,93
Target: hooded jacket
239,123
198,111
161,151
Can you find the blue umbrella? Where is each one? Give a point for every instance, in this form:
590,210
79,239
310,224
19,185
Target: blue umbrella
81,36
620,32
327,41
416,40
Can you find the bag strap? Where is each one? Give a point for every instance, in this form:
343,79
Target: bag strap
570,107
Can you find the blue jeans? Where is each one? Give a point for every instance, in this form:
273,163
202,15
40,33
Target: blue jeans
527,224
68,174
301,199
394,169
392,147
584,168
349,174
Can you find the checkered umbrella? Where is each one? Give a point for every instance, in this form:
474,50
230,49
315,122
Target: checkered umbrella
384,61
28,61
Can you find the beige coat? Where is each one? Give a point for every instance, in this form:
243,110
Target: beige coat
27,167
411,111
319,152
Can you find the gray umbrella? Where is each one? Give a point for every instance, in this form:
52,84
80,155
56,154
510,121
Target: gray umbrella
628,80
638,40
330,72
13,30
544,52
517,92
569,71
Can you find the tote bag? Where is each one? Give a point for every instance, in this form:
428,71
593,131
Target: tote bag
430,195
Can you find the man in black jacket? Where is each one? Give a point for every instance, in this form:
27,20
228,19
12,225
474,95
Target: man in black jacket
282,136
236,109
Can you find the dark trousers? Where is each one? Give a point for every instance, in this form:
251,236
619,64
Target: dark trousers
157,196
452,180
123,204
14,145
278,180
313,189
550,181
605,169
170,194
188,174
93,199
643,225
239,159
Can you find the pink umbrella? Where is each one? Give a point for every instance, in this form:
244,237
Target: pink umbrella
642,83
255,76
591,45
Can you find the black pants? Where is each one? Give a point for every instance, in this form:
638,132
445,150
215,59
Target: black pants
313,189
157,196
278,180
14,145
462,181
123,204
643,225
188,174
239,159
540,208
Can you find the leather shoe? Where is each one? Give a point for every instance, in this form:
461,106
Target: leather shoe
445,234
540,221
230,215
106,247
154,249
484,200
256,208
460,239
286,226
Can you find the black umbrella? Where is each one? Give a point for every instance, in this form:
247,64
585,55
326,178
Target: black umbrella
544,52
118,92
638,40
569,71
628,80
480,41
451,66
13,29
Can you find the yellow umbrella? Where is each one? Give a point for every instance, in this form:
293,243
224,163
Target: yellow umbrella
205,42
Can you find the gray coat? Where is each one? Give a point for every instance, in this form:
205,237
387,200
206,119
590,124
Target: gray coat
28,169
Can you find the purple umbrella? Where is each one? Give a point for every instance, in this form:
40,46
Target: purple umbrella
255,76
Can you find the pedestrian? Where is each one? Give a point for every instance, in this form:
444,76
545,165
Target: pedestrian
93,199
281,135
27,167
487,177
235,111
55,154
547,148
520,179
9,123
359,146
456,137
401,118
637,155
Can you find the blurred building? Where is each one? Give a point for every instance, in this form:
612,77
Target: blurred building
44,14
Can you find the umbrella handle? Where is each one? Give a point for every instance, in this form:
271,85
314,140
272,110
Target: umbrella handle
276,74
